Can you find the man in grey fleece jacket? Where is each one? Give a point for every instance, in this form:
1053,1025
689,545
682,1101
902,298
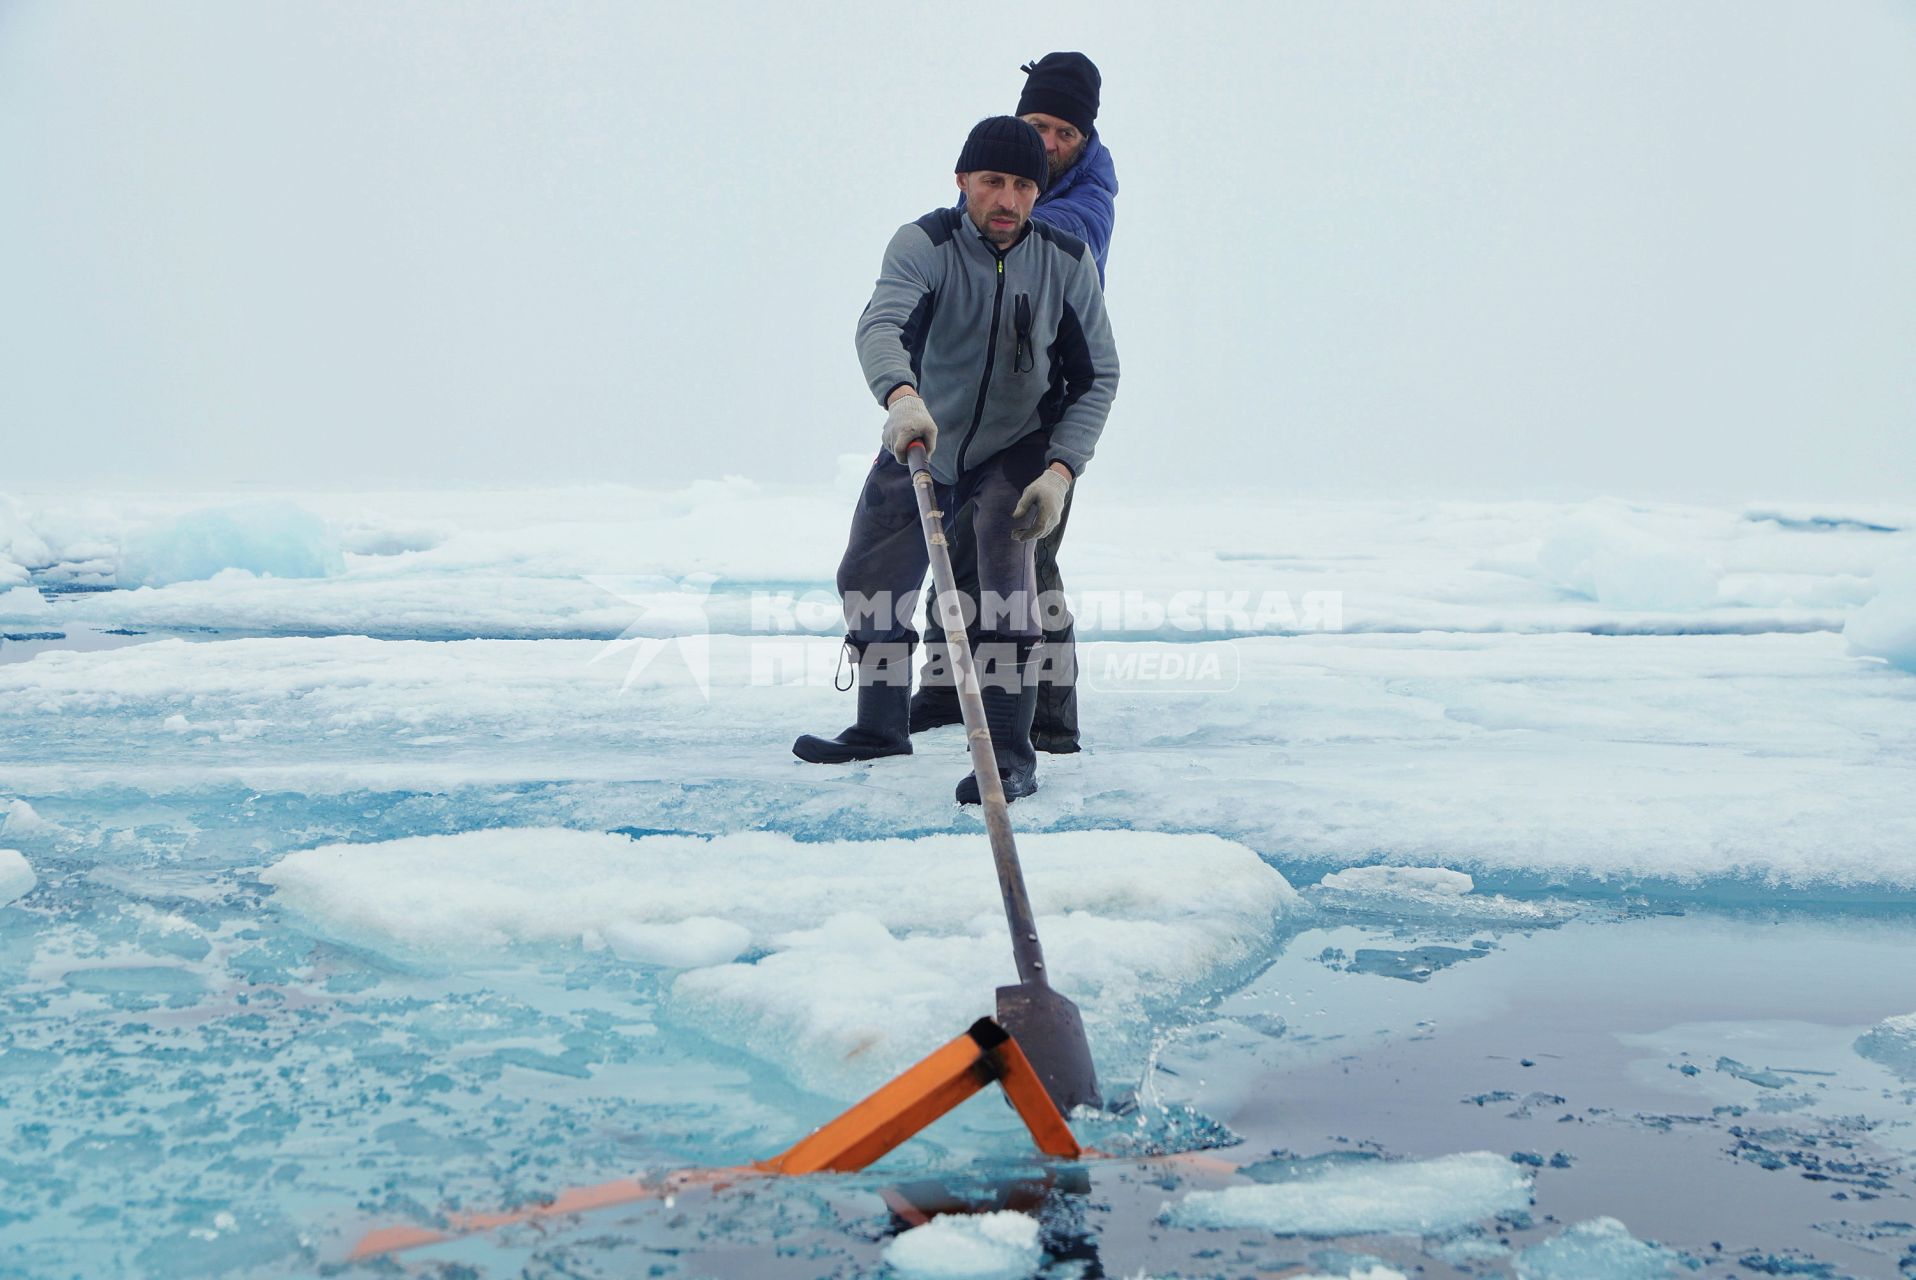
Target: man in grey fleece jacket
986,339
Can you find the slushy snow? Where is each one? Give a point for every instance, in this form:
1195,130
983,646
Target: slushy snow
1426,1197
16,877
1600,1249
986,1246
876,951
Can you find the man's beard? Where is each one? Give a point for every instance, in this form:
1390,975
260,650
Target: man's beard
1003,239
1060,161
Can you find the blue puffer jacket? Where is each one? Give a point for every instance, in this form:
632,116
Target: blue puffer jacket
1084,201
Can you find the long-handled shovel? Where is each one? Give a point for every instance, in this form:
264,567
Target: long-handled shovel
1047,1026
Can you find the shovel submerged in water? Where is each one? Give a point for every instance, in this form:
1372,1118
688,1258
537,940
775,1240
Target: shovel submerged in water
1046,1026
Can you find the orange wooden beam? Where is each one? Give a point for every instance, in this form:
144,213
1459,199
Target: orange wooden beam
566,1203
923,1093
1033,1101
864,1133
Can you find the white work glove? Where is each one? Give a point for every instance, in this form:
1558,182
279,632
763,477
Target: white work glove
907,420
1043,498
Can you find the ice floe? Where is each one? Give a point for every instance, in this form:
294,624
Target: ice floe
276,539
1600,1249
1430,882
16,877
876,951
1892,1043
1886,627
1428,1197
986,1246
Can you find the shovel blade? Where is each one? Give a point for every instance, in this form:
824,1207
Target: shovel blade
1050,1030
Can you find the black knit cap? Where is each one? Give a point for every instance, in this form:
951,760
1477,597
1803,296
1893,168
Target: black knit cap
1008,145
1064,85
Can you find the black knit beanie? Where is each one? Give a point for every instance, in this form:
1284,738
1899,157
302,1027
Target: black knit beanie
1064,85
1007,145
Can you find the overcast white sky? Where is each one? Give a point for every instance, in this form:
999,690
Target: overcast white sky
1646,248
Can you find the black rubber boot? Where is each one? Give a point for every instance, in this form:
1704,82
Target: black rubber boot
1008,710
936,702
884,699
1055,726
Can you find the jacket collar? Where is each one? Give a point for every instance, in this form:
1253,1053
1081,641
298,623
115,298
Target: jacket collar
975,238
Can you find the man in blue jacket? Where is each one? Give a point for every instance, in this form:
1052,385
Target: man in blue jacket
1060,100
986,340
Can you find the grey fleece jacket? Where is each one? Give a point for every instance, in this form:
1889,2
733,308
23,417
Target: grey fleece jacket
999,345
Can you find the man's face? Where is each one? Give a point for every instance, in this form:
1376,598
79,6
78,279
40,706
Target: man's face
999,204
1062,141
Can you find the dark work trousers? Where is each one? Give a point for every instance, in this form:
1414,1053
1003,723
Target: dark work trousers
883,572
1055,727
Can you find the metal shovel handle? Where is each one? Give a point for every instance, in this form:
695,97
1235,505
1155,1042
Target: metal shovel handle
971,704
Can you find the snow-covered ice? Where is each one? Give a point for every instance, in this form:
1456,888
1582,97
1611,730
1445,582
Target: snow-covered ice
268,539
1775,759
1892,1042
19,821
21,549
20,604
876,950
986,1246
1600,1249
1623,560
1885,627
585,562
1422,882
16,877
691,943
1424,1197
